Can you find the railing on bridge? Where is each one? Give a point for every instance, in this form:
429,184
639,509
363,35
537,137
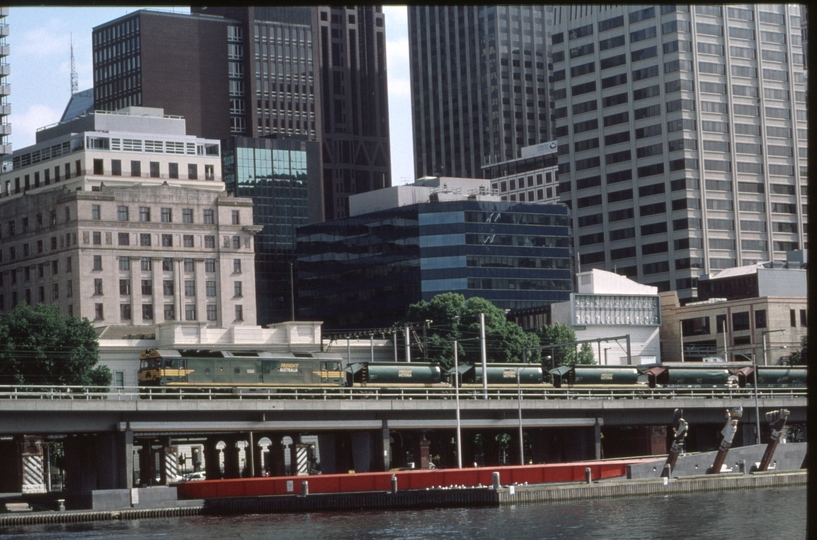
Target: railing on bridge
385,393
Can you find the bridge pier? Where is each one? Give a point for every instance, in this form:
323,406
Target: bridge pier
232,468
98,461
212,463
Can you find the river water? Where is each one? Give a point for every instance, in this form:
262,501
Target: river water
743,515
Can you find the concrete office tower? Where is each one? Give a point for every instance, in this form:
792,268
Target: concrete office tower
5,87
682,137
479,90
318,72
123,218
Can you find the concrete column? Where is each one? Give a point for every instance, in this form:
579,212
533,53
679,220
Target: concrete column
422,453
362,451
125,469
169,463
11,471
326,443
232,467
385,445
31,459
597,438
80,464
257,454
276,455
491,448
212,468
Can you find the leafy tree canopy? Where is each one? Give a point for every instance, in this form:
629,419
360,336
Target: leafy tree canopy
565,355
41,346
454,317
801,356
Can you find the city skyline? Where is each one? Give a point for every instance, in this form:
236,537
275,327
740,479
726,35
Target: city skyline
40,41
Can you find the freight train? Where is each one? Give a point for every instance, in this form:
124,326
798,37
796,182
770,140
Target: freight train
224,369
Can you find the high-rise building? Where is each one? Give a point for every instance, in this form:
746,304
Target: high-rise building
529,178
479,89
682,137
122,218
5,87
410,243
283,179
318,72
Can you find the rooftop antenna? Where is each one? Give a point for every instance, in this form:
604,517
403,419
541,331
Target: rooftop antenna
74,85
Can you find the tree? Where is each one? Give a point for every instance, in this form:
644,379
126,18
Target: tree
504,339
565,355
41,346
801,356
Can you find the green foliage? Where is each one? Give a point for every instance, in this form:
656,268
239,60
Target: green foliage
565,355
41,346
504,340
801,356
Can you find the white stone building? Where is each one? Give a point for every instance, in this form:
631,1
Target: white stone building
122,218
607,305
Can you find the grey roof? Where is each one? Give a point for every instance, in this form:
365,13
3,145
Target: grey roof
80,103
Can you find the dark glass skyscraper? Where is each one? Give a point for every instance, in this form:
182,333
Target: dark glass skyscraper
282,177
479,85
364,271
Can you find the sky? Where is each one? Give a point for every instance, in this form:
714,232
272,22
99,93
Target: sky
40,58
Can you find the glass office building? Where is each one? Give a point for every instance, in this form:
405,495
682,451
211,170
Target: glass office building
283,179
364,271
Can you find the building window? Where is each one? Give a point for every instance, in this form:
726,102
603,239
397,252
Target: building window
239,313
144,239
119,378
192,171
793,318
237,288
170,312
209,172
98,166
97,262
144,213
167,264
211,312
187,215
124,312
210,265
740,321
147,287
173,170
803,319
124,263
209,217
96,237
124,286
55,290
97,287
210,242
69,289
96,213
124,239
99,314
236,242
760,318
167,240
116,167
210,288
190,312
136,168
190,287
154,169
167,215
236,217
147,312
189,265
188,240
147,264
236,266
122,213
167,287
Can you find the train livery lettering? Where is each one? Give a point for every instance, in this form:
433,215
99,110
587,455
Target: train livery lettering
404,373
508,374
606,376
251,370
288,368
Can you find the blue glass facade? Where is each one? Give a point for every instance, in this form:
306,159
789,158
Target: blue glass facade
364,271
278,176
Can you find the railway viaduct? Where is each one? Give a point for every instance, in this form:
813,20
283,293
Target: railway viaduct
103,435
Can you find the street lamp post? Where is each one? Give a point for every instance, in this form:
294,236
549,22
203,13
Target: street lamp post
757,406
765,362
519,402
484,354
457,398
